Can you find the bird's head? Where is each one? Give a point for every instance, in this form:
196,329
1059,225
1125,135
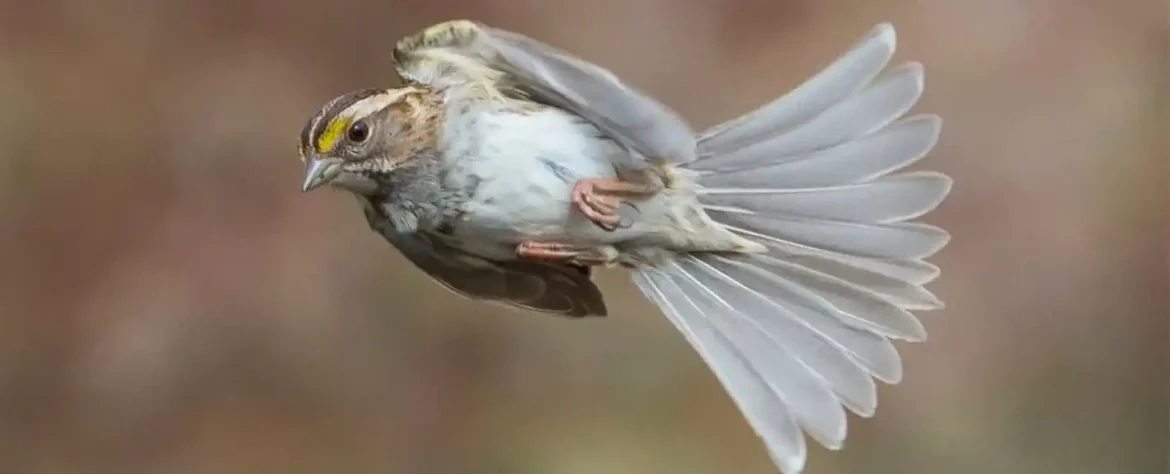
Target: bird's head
360,138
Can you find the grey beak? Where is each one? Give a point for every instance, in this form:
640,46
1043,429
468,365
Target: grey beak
320,171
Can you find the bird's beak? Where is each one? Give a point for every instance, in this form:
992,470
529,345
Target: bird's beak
320,171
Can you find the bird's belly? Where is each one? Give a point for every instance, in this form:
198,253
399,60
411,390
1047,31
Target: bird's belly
531,200
515,174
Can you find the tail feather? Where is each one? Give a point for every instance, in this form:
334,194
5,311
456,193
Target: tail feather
886,199
916,272
849,73
854,305
773,359
900,240
868,157
858,115
871,351
767,414
818,351
909,295
799,333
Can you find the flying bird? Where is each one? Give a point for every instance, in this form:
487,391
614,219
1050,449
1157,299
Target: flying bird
779,243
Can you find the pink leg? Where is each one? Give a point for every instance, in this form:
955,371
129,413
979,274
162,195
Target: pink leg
599,198
548,251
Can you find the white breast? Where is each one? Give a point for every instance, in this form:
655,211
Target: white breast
520,168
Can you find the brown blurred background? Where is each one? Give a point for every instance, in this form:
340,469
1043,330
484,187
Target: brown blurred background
171,303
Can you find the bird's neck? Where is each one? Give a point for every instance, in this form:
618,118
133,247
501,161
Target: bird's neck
412,196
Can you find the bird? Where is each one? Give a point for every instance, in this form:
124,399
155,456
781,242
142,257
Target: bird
784,244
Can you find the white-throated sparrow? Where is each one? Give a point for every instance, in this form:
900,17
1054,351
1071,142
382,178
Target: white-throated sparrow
776,242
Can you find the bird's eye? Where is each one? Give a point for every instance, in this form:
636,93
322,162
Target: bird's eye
358,132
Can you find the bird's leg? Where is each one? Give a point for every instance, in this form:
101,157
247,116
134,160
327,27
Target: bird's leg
599,198
576,254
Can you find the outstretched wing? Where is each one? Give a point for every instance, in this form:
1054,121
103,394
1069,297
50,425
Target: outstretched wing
461,53
547,288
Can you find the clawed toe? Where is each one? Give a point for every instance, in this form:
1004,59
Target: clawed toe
602,211
599,199
557,252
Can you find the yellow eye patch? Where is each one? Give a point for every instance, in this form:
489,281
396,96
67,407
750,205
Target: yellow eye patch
332,133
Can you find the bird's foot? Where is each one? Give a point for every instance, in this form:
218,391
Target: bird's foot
599,198
566,253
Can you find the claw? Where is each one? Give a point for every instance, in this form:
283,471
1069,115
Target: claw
600,198
579,255
546,251
603,204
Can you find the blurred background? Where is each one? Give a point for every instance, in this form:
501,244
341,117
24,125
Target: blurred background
170,302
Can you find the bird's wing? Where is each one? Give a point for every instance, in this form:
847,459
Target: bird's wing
460,53
547,288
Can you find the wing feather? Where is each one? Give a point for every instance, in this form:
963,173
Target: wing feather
466,54
536,286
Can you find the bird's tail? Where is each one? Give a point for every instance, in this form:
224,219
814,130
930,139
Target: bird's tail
799,333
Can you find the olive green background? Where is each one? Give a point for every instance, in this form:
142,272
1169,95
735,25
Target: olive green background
171,303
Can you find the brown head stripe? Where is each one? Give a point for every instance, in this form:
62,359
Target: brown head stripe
315,126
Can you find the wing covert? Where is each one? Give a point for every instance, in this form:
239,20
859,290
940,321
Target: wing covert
466,53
